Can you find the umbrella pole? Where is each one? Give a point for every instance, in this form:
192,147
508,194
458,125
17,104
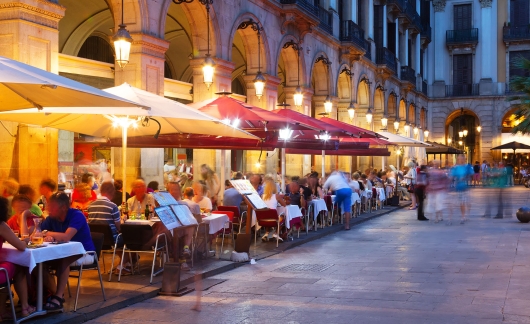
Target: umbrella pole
223,167
283,169
124,162
323,164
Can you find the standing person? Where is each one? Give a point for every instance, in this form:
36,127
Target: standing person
212,182
460,173
476,173
509,174
484,169
169,167
337,183
410,180
436,190
419,191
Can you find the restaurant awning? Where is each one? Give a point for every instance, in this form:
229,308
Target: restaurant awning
438,148
402,140
314,123
358,131
367,152
371,141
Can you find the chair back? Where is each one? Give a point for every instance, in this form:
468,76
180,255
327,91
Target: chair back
233,209
267,217
329,202
108,238
135,236
97,239
227,213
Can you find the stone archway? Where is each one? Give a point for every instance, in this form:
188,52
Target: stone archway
458,121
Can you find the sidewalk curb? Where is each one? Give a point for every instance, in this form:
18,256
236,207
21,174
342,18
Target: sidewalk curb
96,310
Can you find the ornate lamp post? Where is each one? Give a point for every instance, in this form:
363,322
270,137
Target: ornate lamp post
122,43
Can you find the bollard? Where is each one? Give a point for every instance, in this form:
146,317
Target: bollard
171,281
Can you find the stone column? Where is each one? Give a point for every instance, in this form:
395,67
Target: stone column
145,71
439,54
370,29
29,34
488,66
417,53
385,28
396,21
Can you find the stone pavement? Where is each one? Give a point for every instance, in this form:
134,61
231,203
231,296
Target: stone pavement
391,269
134,289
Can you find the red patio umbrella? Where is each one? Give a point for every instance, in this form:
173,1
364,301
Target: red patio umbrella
360,132
319,125
367,152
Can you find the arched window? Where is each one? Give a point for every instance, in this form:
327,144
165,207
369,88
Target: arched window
97,49
392,106
167,71
423,118
402,110
412,114
238,88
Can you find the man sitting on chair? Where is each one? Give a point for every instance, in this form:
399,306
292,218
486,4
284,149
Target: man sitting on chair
65,224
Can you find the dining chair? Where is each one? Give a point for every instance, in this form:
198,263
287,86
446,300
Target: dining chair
97,239
237,220
134,237
109,244
269,218
7,286
224,229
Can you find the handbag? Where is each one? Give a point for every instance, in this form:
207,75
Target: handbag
410,188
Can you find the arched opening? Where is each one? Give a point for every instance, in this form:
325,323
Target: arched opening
178,33
98,49
320,85
379,107
402,115
392,109
521,157
423,118
412,114
461,132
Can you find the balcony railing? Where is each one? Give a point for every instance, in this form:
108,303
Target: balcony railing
512,33
408,74
326,20
368,49
461,90
351,32
413,15
426,32
462,36
386,57
424,88
308,5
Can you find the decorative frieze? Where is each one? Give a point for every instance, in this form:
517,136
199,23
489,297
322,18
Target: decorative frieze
439,5
485,3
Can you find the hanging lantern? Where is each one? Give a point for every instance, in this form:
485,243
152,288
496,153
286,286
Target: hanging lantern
208,70
479,128
396,125
465,132
351,111
449,141
426,133
369,116
415,130
460,134
259,84
384,122
328,105
122,43
298,97
406,127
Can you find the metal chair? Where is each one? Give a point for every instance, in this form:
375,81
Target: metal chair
97,239
109,245
269,218
306,212
237,220
230,230
133,236
7,285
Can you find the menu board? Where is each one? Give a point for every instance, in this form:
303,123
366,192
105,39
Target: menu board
164,198
244,187
167,217
256,201
184,215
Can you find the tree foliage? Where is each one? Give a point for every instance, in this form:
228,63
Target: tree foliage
521,85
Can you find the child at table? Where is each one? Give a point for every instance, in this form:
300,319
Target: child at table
271,199
13,270
22,220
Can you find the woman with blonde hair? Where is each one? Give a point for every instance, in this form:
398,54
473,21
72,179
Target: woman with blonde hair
212,182
272,199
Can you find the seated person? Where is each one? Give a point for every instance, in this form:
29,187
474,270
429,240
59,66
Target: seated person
354,183
22,219
83,192
14,271
118,193
200,197
367,183
186,234
306,191
142,198
64,224
188,199
46,188
272,199
231,196
29,192
296,195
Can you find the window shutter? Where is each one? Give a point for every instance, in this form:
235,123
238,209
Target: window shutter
519,13
392,37
378,26
463,69
462,17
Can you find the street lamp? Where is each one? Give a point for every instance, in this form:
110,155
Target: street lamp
369,116
328,105
122,43
351,111
465,132
449,140
460,143
298,97
479,128
407,128
426,133
415,130
396,125
461,134
259,81
384,122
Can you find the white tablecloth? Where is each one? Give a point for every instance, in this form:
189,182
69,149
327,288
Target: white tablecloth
291,212
216,221
381,193
318,206
141,222
30,257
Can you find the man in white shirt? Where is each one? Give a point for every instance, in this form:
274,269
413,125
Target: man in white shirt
337,183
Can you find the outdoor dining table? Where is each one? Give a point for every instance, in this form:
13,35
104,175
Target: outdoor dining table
318,206
34,257
290,212
381,194
215,222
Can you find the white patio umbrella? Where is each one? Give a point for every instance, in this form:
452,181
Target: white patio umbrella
23,86
163,116
407,142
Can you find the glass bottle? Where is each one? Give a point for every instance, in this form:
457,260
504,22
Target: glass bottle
37,237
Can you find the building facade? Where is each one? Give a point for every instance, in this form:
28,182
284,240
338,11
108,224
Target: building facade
440,65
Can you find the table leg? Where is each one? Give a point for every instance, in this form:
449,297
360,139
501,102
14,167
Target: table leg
39,287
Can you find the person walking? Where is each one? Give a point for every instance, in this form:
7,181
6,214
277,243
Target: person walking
476,173
337,183
419,191
410,179
436,190
460,173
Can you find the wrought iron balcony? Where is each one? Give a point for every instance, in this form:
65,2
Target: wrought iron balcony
412,15
424,88
400,4
326,20
518,34
408,74
307,5
462,37
368,49
386,57
351,32
461,90
426,32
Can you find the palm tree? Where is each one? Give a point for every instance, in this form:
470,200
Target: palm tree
521,85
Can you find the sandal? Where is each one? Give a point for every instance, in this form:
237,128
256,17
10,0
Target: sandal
28,311
53,306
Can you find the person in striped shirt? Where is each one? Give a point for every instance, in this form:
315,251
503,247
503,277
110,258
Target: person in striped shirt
104,211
